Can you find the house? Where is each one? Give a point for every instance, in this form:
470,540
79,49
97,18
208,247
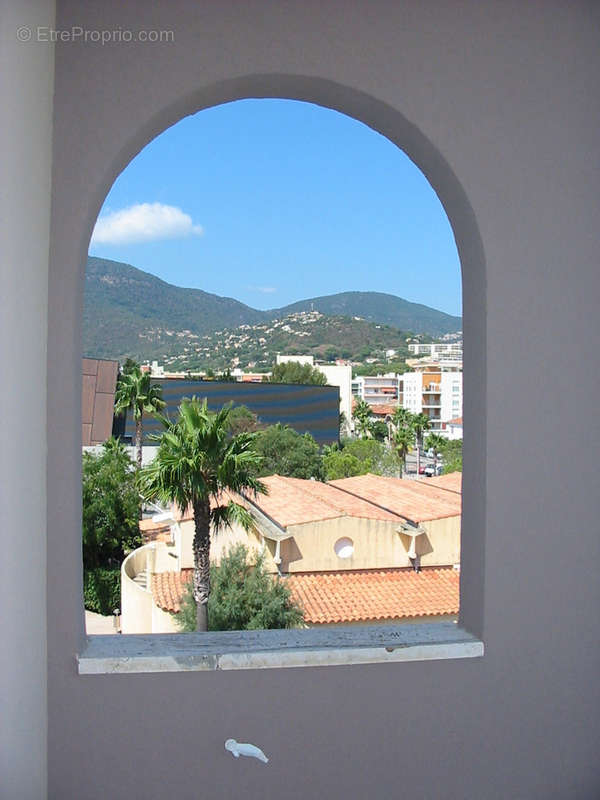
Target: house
454,428
365,549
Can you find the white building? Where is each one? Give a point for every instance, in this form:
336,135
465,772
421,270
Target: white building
340,375
434,389
438,350
454,428
300,359
377,389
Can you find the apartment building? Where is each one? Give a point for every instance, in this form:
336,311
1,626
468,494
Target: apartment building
434,389
437,350
378,390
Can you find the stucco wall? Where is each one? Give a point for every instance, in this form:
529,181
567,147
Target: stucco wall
220,543
377,544
498,104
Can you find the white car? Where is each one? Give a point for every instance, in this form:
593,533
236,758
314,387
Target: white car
430,471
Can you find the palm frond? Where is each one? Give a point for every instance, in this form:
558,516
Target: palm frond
225,516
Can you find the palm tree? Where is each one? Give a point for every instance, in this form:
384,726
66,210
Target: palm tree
197,460
420,423
404,439
362,414
135,391
401,418
436,443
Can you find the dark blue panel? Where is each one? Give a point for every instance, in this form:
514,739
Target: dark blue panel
312,409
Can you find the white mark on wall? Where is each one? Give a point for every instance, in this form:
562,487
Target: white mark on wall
238,749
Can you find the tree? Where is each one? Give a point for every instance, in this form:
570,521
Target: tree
420,423
197,460
295,372
451,450
379,430
128,365
135,391
110,507
110,529
243,597
436,443
403,441
357,457
340,464
242,420
362,414
284,451
401,418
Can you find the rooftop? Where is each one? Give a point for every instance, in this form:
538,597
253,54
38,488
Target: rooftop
418,501
363,595
451,482
294,501
349,595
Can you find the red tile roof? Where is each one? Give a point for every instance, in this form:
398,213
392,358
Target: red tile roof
294,501
364,595
382,410
348,596
155,531
414,500
168,588
451,482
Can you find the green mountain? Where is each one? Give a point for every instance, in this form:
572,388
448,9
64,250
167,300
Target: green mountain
385,309
128,312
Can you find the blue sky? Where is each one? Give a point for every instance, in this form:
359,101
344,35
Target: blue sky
273,201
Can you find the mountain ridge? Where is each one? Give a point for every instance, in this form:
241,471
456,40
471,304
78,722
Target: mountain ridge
129,311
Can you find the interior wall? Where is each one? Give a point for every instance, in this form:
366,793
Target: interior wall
497,103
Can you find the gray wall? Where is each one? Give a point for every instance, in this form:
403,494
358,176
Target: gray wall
26,72
497,102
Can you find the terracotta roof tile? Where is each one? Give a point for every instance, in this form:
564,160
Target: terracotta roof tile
168,588
154,531
347,596
415,500
293,501
451,482
382,410
363,595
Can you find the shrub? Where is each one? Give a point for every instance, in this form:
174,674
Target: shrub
243,596
102,590
111,506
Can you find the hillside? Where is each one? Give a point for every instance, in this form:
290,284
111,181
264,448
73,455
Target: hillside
304,333
122,302
128,312
382,308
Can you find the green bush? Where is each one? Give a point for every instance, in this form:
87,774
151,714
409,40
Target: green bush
242,597
286,452
111,505
102,590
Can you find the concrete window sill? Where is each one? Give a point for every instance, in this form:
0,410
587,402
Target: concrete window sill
284,648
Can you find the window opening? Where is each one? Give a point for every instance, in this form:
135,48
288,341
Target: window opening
273,275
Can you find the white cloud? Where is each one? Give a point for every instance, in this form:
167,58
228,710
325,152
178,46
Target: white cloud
144,222
264,289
